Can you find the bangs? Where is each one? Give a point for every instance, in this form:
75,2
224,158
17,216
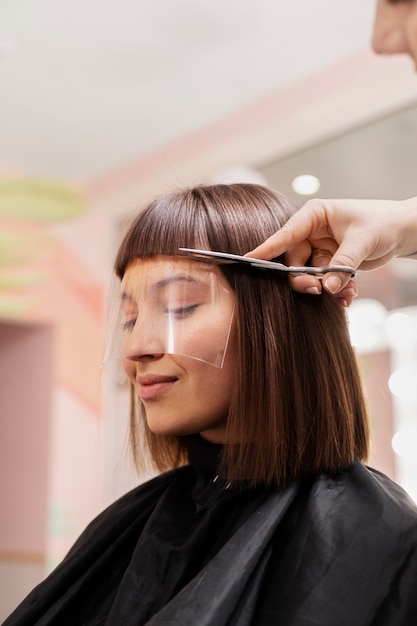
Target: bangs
161,229
226,218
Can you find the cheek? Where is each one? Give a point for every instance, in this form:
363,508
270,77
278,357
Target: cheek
219,382
212,383
207,337
211,397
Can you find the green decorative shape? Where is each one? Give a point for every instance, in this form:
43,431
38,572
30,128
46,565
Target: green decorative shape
38,200
21,247
14,308
28,281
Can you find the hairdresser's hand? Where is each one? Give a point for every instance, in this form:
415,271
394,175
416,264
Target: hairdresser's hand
364,234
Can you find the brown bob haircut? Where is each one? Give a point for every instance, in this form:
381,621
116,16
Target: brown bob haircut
297,405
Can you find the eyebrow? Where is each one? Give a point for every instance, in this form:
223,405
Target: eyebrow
176,279
161,284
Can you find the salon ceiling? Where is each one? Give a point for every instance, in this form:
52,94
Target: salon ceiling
87,86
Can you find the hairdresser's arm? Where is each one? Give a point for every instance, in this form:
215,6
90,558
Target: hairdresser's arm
364,234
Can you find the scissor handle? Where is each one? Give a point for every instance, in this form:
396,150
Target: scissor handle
320,272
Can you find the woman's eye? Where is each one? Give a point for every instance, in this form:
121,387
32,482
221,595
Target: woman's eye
184,311
128,325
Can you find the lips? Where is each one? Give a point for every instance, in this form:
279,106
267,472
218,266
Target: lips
152,385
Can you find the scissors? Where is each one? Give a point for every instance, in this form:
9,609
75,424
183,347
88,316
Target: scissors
294,270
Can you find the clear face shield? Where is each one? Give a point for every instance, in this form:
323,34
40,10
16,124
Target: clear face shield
171,306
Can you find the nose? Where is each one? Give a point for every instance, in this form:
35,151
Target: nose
145,340
389,33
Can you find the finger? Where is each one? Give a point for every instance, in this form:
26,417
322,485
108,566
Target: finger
313,286
274,246
355,246
320,257
348,294
298,255
351,290
306,284
335,282
295,231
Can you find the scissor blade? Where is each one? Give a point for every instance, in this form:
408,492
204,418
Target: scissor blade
227,257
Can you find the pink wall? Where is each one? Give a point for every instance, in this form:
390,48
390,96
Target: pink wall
51,343
25,418
376,370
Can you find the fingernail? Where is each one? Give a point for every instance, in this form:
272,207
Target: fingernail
314,291
333,284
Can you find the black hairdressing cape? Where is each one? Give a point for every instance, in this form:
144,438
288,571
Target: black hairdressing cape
187,550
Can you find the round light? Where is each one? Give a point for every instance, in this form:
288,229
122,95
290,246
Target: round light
400,328
366,324
306,184
402,383
404,443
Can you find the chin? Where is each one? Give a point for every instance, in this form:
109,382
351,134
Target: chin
169,430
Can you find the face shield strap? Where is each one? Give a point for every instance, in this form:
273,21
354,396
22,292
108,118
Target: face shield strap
181,307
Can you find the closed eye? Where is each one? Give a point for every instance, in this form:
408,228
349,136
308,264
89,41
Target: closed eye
182,312
128,325
177,313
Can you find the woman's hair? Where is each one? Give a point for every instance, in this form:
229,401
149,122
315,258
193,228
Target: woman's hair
297,405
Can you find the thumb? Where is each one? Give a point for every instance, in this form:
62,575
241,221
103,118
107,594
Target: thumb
336,281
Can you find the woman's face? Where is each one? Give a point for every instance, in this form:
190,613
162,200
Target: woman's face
178,344
395,28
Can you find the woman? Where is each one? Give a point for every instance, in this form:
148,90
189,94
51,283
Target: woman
251,403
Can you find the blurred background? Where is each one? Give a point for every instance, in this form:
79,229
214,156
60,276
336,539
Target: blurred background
105,104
